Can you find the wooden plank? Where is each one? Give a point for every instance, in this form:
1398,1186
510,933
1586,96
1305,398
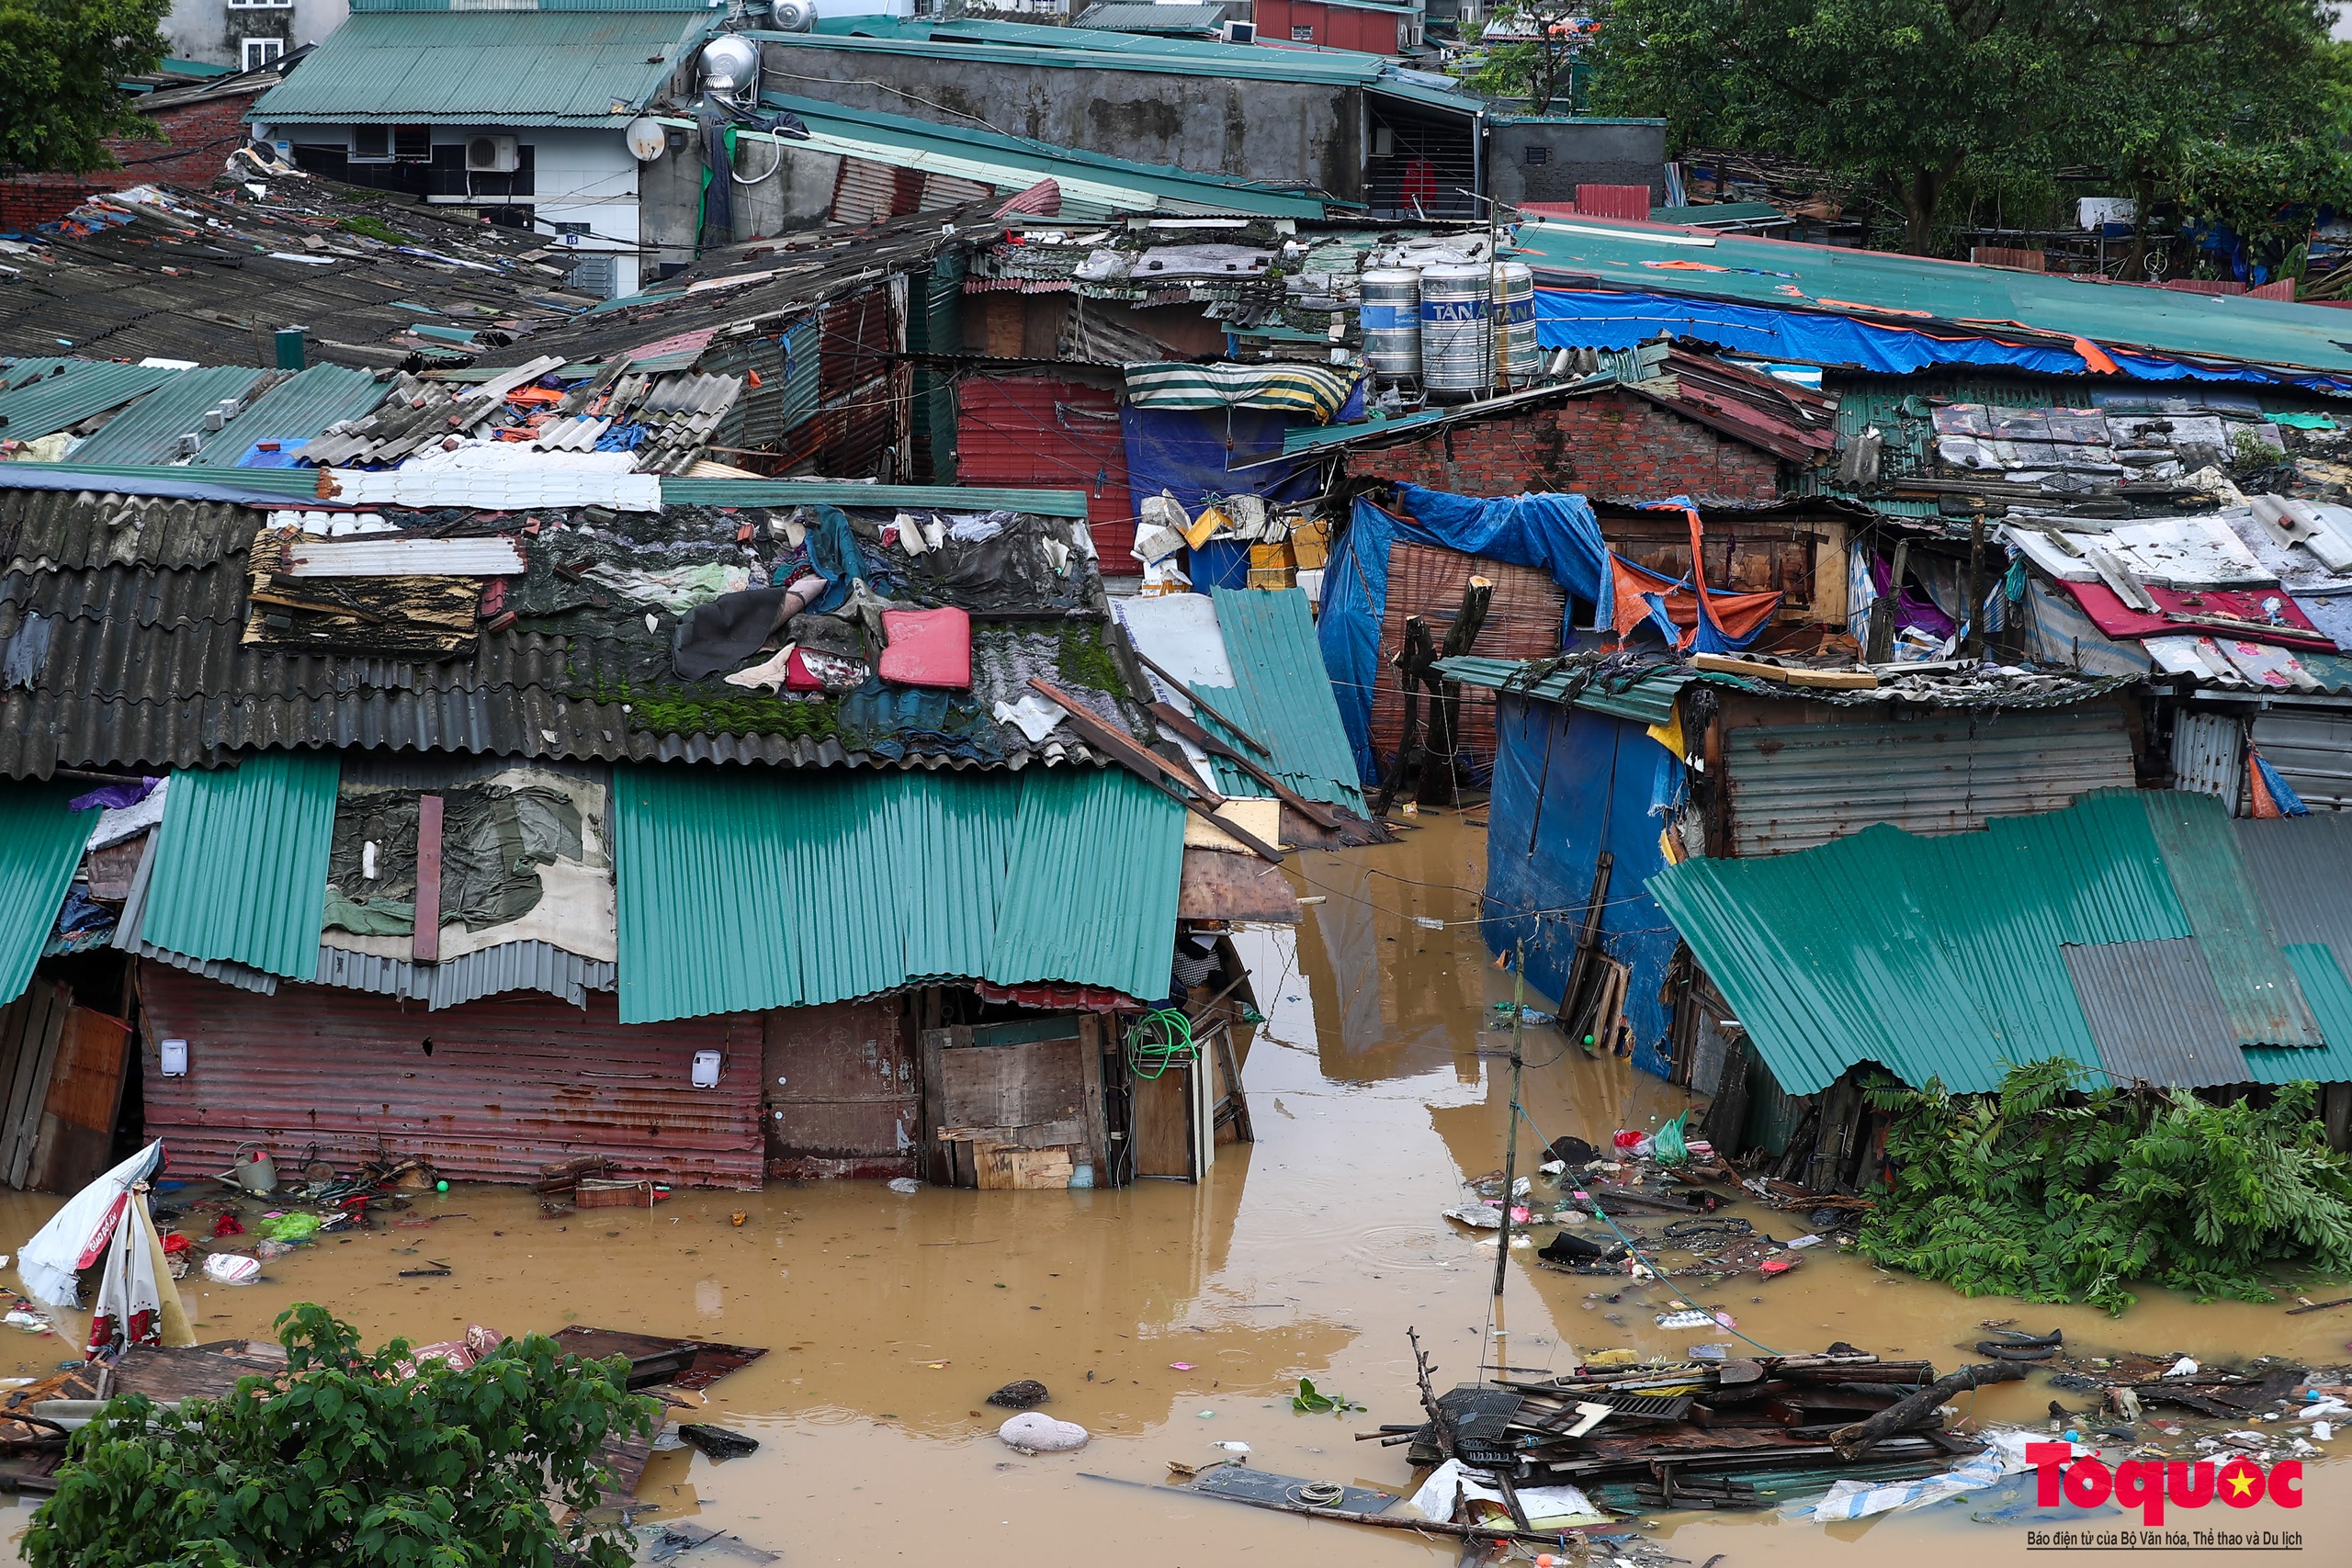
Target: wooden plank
1098,1138
1242,1126
1161,1137
1095,728
1321,816
1238,733
84,1094
426,942
1757,670
1218,886
940,1159
1012,1085
29,1085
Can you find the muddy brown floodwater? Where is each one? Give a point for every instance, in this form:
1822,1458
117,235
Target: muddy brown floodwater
1376,1089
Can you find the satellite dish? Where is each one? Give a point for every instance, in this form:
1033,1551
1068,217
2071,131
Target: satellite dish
647,138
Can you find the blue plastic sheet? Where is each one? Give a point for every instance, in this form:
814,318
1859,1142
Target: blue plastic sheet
1571,317
1555,534
1568,786
1188,451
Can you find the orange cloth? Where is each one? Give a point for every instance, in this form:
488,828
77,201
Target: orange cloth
2095,357
2263,807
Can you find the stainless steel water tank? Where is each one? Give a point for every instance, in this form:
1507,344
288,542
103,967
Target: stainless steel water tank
1522,358
1457,329
1392,322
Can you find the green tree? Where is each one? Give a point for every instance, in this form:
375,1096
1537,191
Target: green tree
1904,97
59,62
351,1462
1539,66
2048,1194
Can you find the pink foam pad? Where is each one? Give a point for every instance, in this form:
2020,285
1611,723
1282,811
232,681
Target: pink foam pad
928,647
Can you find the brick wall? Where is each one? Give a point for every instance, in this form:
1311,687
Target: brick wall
191,146
1613,447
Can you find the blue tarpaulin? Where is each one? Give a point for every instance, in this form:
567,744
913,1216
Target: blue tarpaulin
1576,318
1188,451
1568,786
1555,534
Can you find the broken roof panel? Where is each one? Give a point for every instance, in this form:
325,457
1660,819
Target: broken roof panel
241,863
153,429
40,843
292,413
2156,1013
45,396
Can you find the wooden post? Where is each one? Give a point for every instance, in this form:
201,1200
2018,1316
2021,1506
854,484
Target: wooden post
1444,788
1510,1138
425,945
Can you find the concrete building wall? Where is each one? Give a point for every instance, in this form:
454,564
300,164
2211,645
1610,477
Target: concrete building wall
1613,447
214,32
1282,132
1545,159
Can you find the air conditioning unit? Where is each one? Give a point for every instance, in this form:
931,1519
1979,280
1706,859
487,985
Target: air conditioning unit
1238,32
491,156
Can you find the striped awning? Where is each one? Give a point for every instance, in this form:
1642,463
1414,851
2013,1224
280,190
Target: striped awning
1314,391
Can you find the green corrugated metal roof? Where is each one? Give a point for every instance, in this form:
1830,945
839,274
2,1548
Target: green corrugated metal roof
973,153
1284,693
1758,271
1933,957
1645,693
61,400
294,411
485,68
2330,996
40,843
290,482
791,492
2258,990
741,890
240,862
149,430
1719,212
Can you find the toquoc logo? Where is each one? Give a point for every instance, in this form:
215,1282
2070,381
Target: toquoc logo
2148,1484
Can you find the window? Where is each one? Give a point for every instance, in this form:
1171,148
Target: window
413,143
1532,156
260,51
372,142
261,4
1302,33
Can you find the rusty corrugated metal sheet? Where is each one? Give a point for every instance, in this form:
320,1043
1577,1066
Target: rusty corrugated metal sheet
1795,786
490,1090
1043,430
1522,622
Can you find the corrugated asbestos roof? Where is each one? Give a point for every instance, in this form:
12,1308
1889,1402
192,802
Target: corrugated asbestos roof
1111,184
1643,687
1992,300
1285,697
795,492
1147,18
485,68
46,396
40,843
296,410
741,891
2155,1012
241,863
2124,933
149,430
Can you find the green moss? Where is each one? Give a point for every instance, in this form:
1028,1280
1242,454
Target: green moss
373,228
689,711
1085,660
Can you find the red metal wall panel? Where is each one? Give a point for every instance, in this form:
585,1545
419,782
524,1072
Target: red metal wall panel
1631,203
1044,433
1328,27
491,1090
